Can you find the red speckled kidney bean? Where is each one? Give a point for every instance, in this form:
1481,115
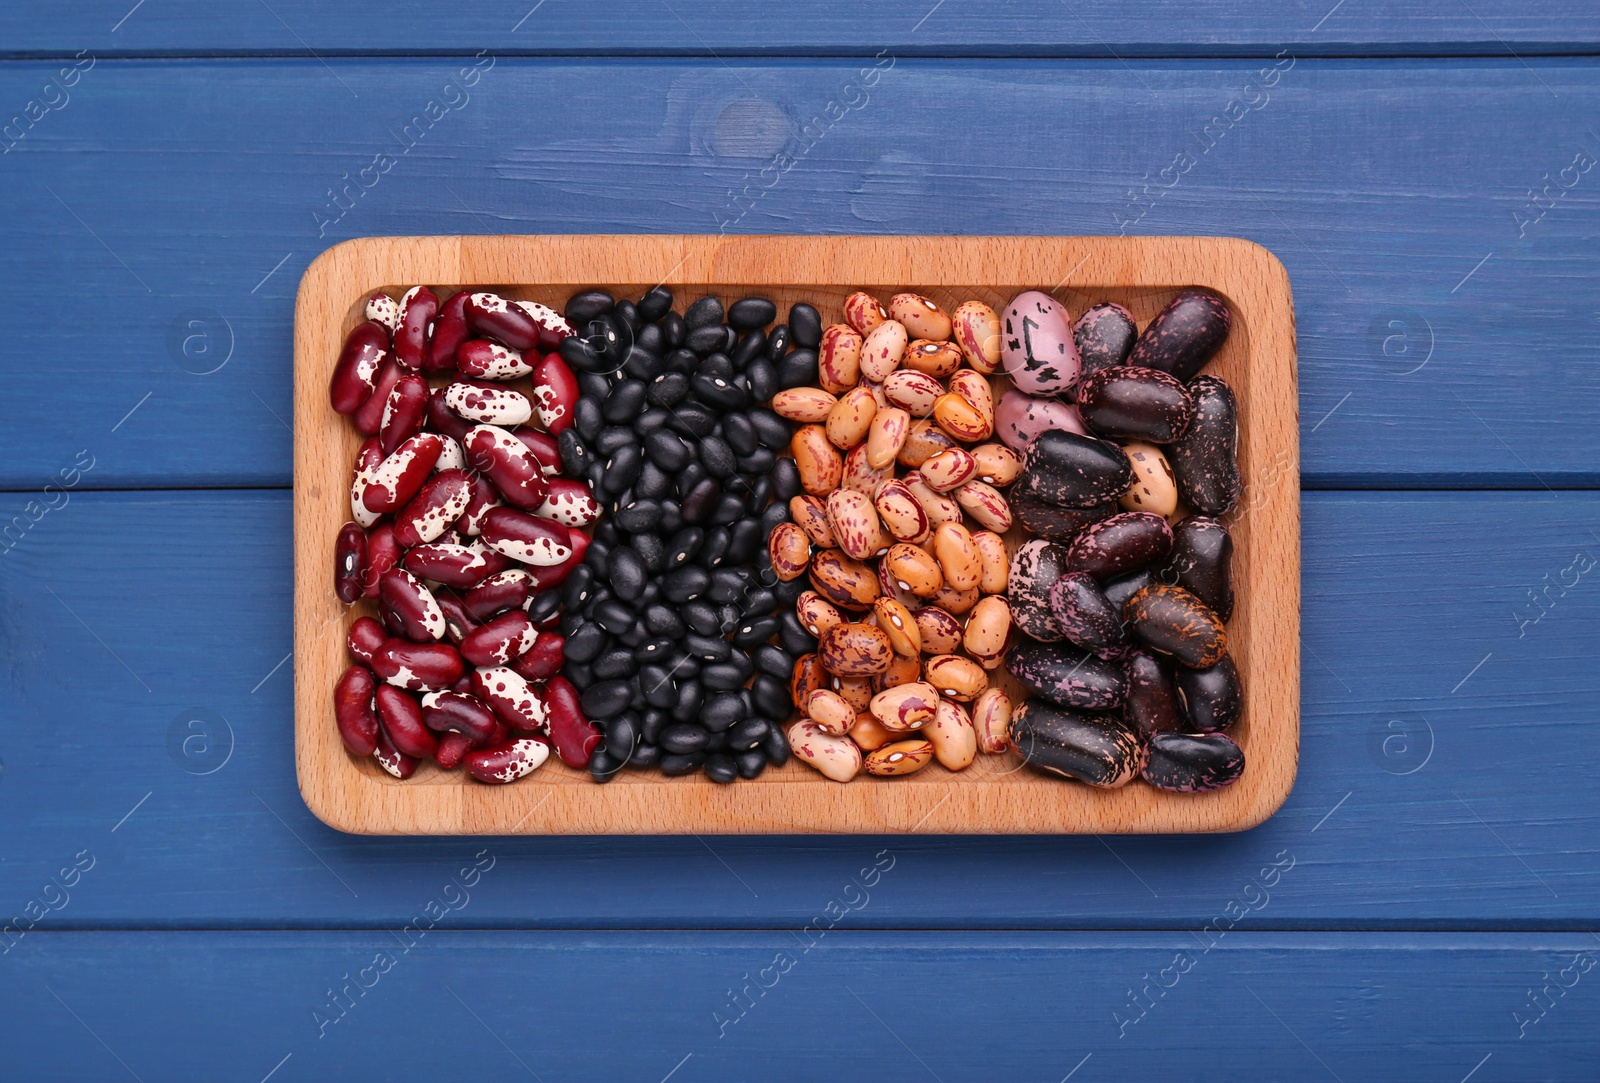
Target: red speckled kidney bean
369,417
483,497
543,660
507,762
420,667
555,575
555,393
511,697
453,748
392,760
573,735
401,719
492,316
459,566
509,464
552,326
383,553
466,714
443,420
449,332
544,449
498,593
436,506
418,307
352,710
487,403
485,360
458,623
384,309
349,562
355,376
508,636
530,539
397,479
368,459
404,411
412,606
365,637
571,503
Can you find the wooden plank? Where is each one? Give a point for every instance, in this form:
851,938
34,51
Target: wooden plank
989,798
1095,28
1445,780
704,1005
179,202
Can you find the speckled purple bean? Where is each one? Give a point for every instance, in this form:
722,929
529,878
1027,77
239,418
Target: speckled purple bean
1184,335
1102,750
1065,675
1019,418
1035,567
1085,616
1145,404
1105,334
1205,461
1189,763
1122,543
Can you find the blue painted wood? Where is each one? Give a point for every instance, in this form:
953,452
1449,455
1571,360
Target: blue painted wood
160,219
1446,776
690,1006
909,27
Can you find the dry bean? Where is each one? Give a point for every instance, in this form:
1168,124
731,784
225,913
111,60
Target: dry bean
956,601
838,758
954,740
842,581
901,512
996,562
913,570
962,419
898,624
868,732
903,669
857,691
863,312
839,359
948,469
976,328
988,629
936,506
855,650
803,404
986,504
991,717
958,556
998,465
806,678
817,615
941,632
960,678
924,439
1154,486
789,551
858,474
912,391
810,513
882,350
899,758
851,418
821,469
906,707
921,317
885,436
830,713
855,523
939,359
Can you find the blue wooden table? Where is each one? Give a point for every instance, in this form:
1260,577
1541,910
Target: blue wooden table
1425,906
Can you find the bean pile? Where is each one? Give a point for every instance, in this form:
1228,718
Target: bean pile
678,638
899,533
1121,615
461,529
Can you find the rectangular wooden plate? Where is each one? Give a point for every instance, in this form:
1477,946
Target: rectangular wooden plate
996,795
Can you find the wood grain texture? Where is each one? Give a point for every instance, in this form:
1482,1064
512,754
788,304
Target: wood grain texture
1355,1007
994,796
1097,28
1377,182
1477,810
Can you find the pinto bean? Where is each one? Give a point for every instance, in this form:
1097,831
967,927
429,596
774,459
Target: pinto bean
996,561
886,436
936,506
817,615
954,740
806,677
821,468
899,758
830,713
789,550
851,418
924,439
863,312
962,419
988,629
960,678
913,569
976,328
838,758
986,504
922,317
905,707
948,469
958,556
842,581
855,650
810,513
997,464
899,625
807,405
914,392
869,733
903,669
839,359
991,717
901,512
937,359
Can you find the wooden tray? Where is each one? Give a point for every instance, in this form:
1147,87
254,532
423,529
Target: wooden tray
996,794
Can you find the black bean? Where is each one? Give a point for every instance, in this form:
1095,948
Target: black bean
660,651
751,312
798,369
723,711
759,462
774,661
581,356
718,365
644,363
614,615
704,312
607,534
721,768
786,480
583,307
724,676
715,548
638,517
727,586
691,697
612,437
771,696
651,723
627,573
701,616
575,591
771,516
625,402
691,475
624,315
684,546
654,482
671,519
669,389
666,450
760,494
622,470
705,340
684,737
674,766
708,648
585,644
778,341
615,663
663,620
575,455
750,347
682,360
596,476
685,583
655,304
694,419
579,674
729,509
656,683
594,385
645,755
745,541
754,632
652,419
717,457
718,392
603,767
728,617
588,419
805,323
605,699
609,340
793,635
773,431
730,339
758,602
749,734
762,375
701,501
673,327
653,551
739,434
544,606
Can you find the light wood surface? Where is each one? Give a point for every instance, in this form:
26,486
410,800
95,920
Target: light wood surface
997,794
